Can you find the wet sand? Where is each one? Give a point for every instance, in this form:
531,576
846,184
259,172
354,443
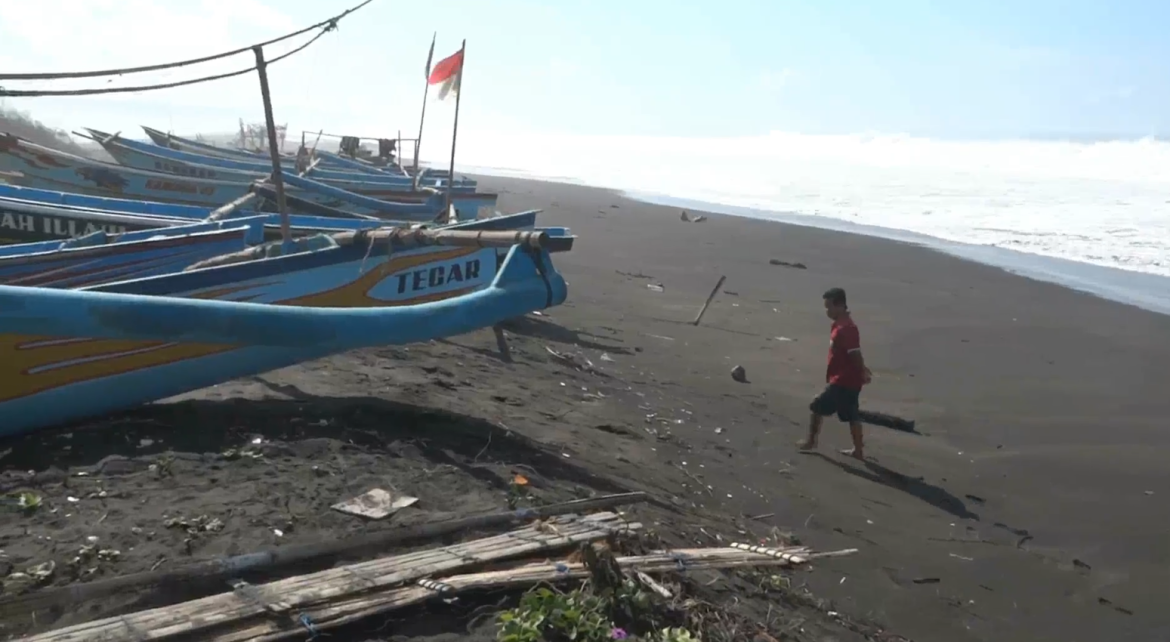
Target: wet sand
1031,506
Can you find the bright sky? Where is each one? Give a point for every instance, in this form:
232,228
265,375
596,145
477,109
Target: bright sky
679,68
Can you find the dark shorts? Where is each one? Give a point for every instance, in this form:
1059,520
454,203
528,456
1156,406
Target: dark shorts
837,400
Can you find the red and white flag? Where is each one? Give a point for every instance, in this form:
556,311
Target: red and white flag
447,73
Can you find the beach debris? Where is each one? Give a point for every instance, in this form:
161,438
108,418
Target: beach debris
710,297
703,487
374,504
686,217
654,287
201,524
926,580
633,275
605,357
798,266
718,431
33,576
29,502
579,362
781,339
232,454
739,374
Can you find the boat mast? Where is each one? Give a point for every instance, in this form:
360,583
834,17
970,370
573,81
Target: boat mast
273,146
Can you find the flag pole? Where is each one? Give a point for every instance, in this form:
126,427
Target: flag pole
423,116
455,126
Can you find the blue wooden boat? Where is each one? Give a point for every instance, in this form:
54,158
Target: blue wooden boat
163,139
71,354
102,257
139,155
30,165
99,257
329,160
31,215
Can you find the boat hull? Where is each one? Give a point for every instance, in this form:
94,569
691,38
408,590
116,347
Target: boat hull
30,215
95,261
68,354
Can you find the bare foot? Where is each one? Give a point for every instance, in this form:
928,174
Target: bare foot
854,453
807,445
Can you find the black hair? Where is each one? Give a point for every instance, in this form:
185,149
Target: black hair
836,296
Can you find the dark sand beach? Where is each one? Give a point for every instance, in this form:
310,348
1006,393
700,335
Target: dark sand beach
1032,506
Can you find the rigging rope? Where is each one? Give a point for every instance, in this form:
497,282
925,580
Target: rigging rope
328,25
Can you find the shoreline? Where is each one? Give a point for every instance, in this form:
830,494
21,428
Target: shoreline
1150,292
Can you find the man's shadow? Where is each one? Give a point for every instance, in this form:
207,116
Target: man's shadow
934,495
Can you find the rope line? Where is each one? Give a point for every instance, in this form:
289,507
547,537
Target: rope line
34,93
328,25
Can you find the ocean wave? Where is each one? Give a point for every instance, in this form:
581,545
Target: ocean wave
1103,203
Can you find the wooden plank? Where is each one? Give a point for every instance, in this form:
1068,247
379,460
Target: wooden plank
227,610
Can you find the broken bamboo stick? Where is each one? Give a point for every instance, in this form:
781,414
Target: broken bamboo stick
710,297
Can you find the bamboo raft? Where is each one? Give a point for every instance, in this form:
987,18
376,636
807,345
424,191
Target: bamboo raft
358,607
218,617
308,604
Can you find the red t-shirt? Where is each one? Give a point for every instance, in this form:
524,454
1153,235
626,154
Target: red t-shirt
843,370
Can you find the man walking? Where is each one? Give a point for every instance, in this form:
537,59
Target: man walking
845,376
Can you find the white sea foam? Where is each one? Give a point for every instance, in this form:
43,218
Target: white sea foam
1103,203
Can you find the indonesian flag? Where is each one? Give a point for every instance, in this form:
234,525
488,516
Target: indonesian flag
447,73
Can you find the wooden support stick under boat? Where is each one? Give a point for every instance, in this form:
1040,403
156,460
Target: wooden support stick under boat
233,566
502,344
273,148
710,298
